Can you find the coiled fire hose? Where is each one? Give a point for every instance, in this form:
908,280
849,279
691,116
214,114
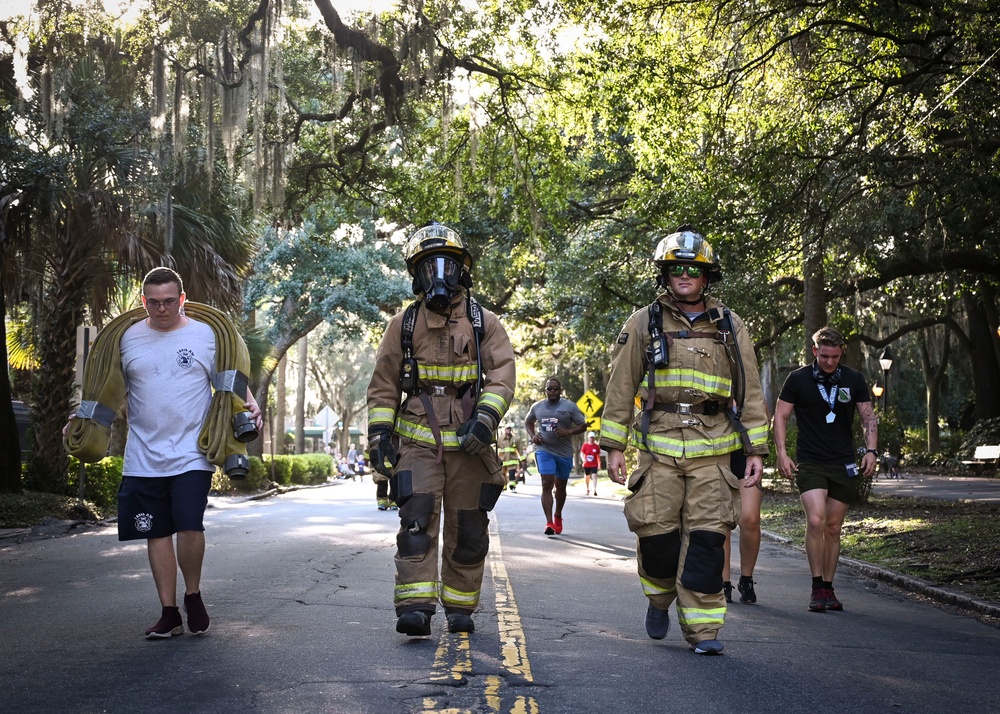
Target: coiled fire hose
89,434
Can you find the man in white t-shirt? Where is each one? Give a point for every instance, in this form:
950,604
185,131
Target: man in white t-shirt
168,361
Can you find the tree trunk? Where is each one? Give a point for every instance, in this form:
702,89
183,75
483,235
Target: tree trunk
300,397
281,401
985,367
933,377
10,447
53,386
814,291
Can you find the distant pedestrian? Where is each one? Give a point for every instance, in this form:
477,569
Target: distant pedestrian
824,396
590,454
551,422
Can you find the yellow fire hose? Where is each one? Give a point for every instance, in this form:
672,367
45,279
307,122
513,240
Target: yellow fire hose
89,434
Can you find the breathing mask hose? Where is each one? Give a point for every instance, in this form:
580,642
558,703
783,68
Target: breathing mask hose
104,390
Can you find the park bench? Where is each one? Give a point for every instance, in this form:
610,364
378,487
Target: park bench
985,457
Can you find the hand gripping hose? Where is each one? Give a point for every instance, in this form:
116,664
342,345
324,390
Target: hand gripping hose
104,390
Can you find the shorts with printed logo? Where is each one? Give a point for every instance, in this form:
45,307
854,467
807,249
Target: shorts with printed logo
549,464
833,477
161,506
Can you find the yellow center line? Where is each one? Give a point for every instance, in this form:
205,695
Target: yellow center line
453,657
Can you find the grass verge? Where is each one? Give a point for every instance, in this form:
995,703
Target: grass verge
29,508
953,544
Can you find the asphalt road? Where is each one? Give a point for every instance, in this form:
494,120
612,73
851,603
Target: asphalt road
299,590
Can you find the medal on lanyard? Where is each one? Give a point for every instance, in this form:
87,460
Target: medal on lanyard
831,399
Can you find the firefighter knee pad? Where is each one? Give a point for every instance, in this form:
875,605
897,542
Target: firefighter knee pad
401,486
414,517
660,554
473,542
489,494
703,562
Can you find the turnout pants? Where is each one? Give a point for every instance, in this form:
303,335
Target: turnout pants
459,491
681,511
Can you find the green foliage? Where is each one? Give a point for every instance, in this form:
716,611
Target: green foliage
101,480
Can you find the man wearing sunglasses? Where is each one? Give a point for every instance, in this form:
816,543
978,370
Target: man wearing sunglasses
551,424
691,363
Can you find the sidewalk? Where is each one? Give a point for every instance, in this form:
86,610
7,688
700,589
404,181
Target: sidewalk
948,488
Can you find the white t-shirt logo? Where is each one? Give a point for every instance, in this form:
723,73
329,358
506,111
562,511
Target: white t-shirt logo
185,358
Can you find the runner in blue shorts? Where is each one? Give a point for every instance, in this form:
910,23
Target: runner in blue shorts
551,422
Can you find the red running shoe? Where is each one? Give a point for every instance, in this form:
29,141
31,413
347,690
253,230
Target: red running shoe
550,529
557,524
832,603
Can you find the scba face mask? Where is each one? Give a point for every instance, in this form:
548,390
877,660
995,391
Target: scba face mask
438,278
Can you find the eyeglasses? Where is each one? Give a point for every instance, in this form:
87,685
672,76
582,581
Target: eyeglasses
553,389
677,271
157,304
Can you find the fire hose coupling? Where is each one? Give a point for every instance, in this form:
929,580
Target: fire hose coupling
237,466
244,427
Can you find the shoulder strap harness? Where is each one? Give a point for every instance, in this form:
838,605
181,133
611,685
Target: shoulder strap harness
409,373
657,356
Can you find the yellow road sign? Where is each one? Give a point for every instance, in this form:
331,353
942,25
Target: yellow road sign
590,404
594,425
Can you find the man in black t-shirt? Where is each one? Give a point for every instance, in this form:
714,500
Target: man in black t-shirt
823,396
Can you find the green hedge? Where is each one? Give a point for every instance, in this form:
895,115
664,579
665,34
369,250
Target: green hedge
103,477
100,483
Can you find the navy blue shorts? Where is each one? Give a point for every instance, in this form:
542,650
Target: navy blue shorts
160,506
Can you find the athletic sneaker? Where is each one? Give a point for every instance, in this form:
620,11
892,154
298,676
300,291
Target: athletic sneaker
557,524
707,647
550,529
832,603
414,623
727,590
460,622
657,622
169,624
512,485
747,594
197,614
817,602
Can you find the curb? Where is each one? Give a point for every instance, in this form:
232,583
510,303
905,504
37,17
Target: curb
905,582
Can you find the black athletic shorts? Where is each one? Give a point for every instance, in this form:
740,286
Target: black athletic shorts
156,507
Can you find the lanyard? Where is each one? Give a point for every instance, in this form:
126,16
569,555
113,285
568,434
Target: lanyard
830,398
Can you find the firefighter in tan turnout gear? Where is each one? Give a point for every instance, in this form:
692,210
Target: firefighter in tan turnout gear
443,379
691,363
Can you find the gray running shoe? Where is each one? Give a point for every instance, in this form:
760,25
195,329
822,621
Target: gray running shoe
657,622
708,647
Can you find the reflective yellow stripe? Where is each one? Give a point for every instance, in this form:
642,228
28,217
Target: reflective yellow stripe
650,588
408,591
449,374
381,416
510,462
692,616
450,596
424,435
614,431
690,448
711,384
494,401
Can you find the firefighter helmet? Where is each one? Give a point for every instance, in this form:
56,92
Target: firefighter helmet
435,239
689,247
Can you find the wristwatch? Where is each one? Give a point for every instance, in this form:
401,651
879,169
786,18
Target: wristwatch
871,451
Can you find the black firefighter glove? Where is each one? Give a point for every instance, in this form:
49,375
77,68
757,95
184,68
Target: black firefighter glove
476,435
382,454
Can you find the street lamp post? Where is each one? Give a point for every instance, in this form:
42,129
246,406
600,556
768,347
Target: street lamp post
885,360
877,390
